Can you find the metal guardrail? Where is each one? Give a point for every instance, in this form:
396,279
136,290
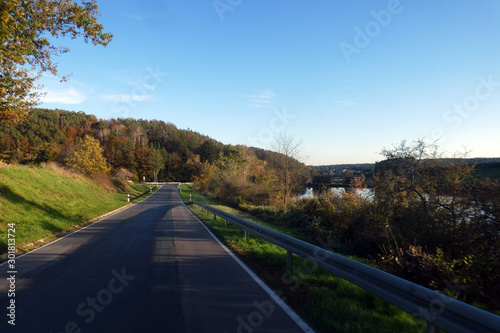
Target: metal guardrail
439,311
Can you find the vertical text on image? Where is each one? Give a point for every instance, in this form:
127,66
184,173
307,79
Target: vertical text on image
11,273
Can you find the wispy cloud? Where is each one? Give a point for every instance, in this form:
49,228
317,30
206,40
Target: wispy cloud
56,92
126,98
261,99
345,102
152,9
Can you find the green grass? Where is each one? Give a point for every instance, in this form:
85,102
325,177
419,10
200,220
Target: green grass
186,190
46,202
327,302
487,173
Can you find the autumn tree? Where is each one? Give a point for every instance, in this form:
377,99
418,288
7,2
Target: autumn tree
288,167
88,157
157,161
26,51
142,156
428,198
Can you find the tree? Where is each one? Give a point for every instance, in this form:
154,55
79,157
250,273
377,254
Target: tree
142,155
209,151
288,165
428,198
88,157
25,49
157,161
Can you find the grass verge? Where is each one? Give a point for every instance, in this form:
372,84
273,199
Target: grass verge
328,303
44,203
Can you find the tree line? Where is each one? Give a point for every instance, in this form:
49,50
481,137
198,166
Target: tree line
137,145
152,150
429,219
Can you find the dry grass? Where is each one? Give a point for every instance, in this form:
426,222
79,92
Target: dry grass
62,171
105,182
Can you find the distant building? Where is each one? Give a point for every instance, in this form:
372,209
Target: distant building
124,174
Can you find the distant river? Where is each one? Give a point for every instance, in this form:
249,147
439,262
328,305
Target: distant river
310,193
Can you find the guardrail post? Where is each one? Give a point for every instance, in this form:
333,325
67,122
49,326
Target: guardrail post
225,223
289,258
246,234
215,217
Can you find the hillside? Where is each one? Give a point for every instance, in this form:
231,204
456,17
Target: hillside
51,135
47,201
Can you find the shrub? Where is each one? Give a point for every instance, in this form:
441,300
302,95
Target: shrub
119,184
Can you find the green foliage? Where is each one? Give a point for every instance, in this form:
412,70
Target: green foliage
48,152
120,184
127,143
157,161
88,157
332,304
429,220
209,151
47,201
26,51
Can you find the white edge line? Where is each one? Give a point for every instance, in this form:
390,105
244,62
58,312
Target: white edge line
288,310
118,210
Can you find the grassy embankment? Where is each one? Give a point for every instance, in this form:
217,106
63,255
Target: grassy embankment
329,303
49,201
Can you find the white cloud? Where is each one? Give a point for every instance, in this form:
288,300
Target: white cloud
56,92
63,95
262,99
126,98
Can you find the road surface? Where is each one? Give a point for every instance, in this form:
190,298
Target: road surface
150,268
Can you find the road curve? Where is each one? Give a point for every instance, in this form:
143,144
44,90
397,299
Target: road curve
150,268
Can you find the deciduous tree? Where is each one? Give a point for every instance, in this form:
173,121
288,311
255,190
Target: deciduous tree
88,157
26,51
157,161
288,165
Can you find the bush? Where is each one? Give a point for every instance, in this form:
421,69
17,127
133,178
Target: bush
119,184
104,181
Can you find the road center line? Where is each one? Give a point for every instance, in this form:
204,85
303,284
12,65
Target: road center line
131,241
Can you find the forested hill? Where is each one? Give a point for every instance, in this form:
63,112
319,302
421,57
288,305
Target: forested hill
51,135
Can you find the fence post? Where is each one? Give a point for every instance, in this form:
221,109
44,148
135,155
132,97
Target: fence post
225,223
246,234
288,258
215,217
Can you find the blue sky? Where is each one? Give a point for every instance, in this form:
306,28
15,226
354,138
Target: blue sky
348,77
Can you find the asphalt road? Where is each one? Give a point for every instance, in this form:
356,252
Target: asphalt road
150,268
